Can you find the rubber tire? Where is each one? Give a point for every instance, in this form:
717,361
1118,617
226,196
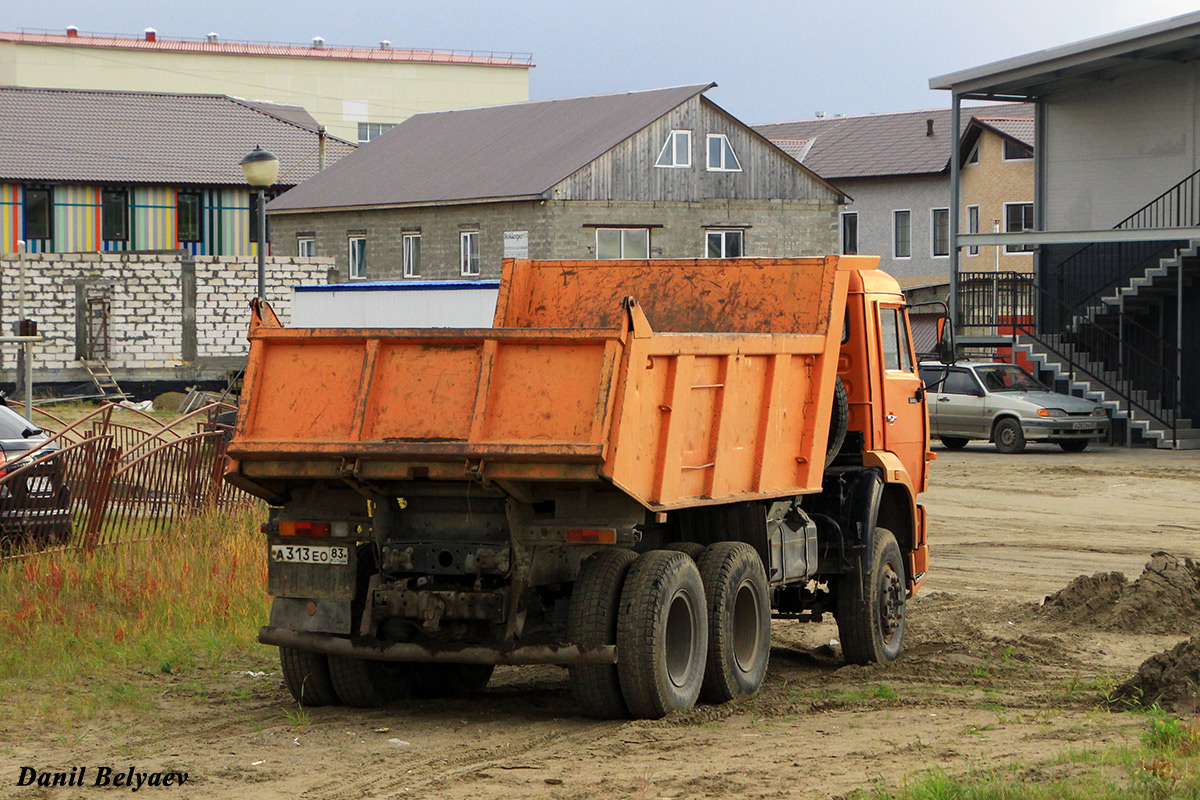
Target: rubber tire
592,622
839,421
1008,436
954,442
693,549
735,587
451,680
662,634
861,619
370,684
1074,445
307,677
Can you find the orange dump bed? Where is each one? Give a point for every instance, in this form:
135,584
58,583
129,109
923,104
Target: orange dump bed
712,383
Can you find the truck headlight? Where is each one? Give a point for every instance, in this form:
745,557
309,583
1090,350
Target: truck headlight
1051,412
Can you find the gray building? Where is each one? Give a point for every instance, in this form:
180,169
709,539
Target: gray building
1113,310
896,170
664,173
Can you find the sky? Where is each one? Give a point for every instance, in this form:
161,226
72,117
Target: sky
772,60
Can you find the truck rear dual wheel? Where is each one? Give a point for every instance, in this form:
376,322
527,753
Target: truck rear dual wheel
370,684
307,677
870,609
739,621
662,634
592,622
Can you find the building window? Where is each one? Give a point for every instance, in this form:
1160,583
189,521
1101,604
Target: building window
1015,151
1018,217
974,157
411,255
973,227
357,251
901,234
469,252
850,233
622,243
39,218
114,215
306,246
724,244
189,207
369,130
720,154
940,232
676,151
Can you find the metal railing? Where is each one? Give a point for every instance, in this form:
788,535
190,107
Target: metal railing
1090,272
98,482
1131,361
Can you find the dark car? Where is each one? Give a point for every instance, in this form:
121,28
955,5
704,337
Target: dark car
35,501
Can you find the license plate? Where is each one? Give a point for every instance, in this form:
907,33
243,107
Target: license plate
307,554
39,484
1082,426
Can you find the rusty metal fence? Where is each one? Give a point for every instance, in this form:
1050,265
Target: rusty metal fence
115,475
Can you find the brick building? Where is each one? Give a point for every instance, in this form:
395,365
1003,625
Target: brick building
663,173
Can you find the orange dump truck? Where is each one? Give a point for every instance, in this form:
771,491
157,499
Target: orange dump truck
630,474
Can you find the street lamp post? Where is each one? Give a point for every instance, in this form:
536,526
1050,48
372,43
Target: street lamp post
261,169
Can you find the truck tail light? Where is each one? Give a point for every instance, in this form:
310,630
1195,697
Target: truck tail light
592,535
289,527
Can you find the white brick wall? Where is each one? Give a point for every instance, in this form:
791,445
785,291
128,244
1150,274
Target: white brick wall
146,302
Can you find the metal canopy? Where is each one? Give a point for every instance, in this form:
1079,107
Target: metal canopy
1101,58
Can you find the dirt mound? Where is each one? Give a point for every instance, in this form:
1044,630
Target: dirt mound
1164,599
1170,679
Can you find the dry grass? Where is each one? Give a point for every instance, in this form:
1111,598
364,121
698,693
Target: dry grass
188,598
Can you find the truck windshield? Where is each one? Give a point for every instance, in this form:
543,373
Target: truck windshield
1008,378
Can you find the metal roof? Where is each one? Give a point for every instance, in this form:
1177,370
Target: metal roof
276,49
878,145
516,151
148,137
1033,74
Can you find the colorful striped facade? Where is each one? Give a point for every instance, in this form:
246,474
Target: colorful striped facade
153,221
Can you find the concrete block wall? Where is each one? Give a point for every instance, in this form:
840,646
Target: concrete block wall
154,319
557,230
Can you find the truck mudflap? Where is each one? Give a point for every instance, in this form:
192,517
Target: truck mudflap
427,653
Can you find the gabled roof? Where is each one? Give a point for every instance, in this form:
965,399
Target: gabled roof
1098,58
1019,129
517,151
879,145
273,49
148,137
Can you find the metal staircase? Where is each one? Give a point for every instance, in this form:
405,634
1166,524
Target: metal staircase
1101,321
1091,380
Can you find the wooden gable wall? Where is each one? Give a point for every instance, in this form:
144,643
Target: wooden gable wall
628,171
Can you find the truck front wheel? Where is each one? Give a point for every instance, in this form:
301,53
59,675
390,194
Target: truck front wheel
739,621
369,684
870,610
307,677
662,634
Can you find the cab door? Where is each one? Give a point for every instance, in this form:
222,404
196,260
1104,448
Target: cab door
904,422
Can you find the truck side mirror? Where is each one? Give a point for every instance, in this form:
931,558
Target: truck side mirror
945,341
